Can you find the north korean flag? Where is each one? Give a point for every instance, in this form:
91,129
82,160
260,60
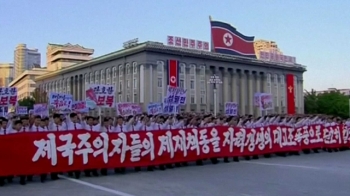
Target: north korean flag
227,40
173,73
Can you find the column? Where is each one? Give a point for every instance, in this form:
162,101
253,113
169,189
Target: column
301,96
250,93
258,90
234,90
210,100
79,88
225,83
76,81
243,92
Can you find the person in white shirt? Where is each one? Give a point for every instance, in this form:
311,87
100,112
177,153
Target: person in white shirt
25,124
73,122
17,128
105,126
56,124
90,124
123,127
4,127
36,126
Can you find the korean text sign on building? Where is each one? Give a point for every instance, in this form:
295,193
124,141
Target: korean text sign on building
175,97
8,96
60,101
100,95
187,43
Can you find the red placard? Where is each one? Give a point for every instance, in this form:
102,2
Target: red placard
45,152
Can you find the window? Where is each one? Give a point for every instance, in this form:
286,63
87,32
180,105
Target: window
182,69
102,76
268,78
193,69
91,78
203,100
127,69
275,78
114,72
160,66
86,78
182,84
108,73
202,70
134,67
160,98
192,84
192,99
282,80
135,98
120,70
120,98
135,83
120,86
97,77
127,98
202,85
127,83
160,82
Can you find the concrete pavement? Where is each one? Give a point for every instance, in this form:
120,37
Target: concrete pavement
323,174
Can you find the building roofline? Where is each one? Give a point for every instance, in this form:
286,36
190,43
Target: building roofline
161,48
26,72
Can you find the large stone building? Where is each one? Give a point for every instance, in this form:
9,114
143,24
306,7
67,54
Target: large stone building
266,46
6,74
140,75
25,59
25,83
60,56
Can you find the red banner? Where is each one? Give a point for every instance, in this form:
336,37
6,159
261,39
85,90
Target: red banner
173,74
45,152
290,94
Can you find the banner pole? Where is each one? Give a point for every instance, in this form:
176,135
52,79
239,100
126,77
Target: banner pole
99,114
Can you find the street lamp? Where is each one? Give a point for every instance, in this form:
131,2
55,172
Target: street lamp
215,80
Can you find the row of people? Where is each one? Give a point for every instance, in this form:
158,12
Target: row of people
59,122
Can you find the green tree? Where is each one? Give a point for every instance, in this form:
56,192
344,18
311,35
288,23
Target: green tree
330,103
310,102
40,96
27,101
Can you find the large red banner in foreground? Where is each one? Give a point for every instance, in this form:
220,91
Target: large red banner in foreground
44,152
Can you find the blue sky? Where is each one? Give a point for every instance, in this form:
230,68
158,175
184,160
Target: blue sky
317,32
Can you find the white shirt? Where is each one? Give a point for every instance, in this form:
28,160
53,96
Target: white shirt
35,128
122,128
95,128
13,131
55,127
74,126
106,129
3,132
25,129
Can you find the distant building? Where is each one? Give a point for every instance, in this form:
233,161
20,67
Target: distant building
61,56
343,91
25,59
266,46
25,82
6,74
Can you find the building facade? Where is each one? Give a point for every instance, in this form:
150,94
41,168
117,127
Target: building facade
61,56
6,74
25,59
25,83
266,46
140,75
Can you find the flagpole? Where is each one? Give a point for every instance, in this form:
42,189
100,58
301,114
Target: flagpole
211,36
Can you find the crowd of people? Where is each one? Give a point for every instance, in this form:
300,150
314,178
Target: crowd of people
145,122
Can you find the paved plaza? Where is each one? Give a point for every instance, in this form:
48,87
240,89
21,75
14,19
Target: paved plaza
323,174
